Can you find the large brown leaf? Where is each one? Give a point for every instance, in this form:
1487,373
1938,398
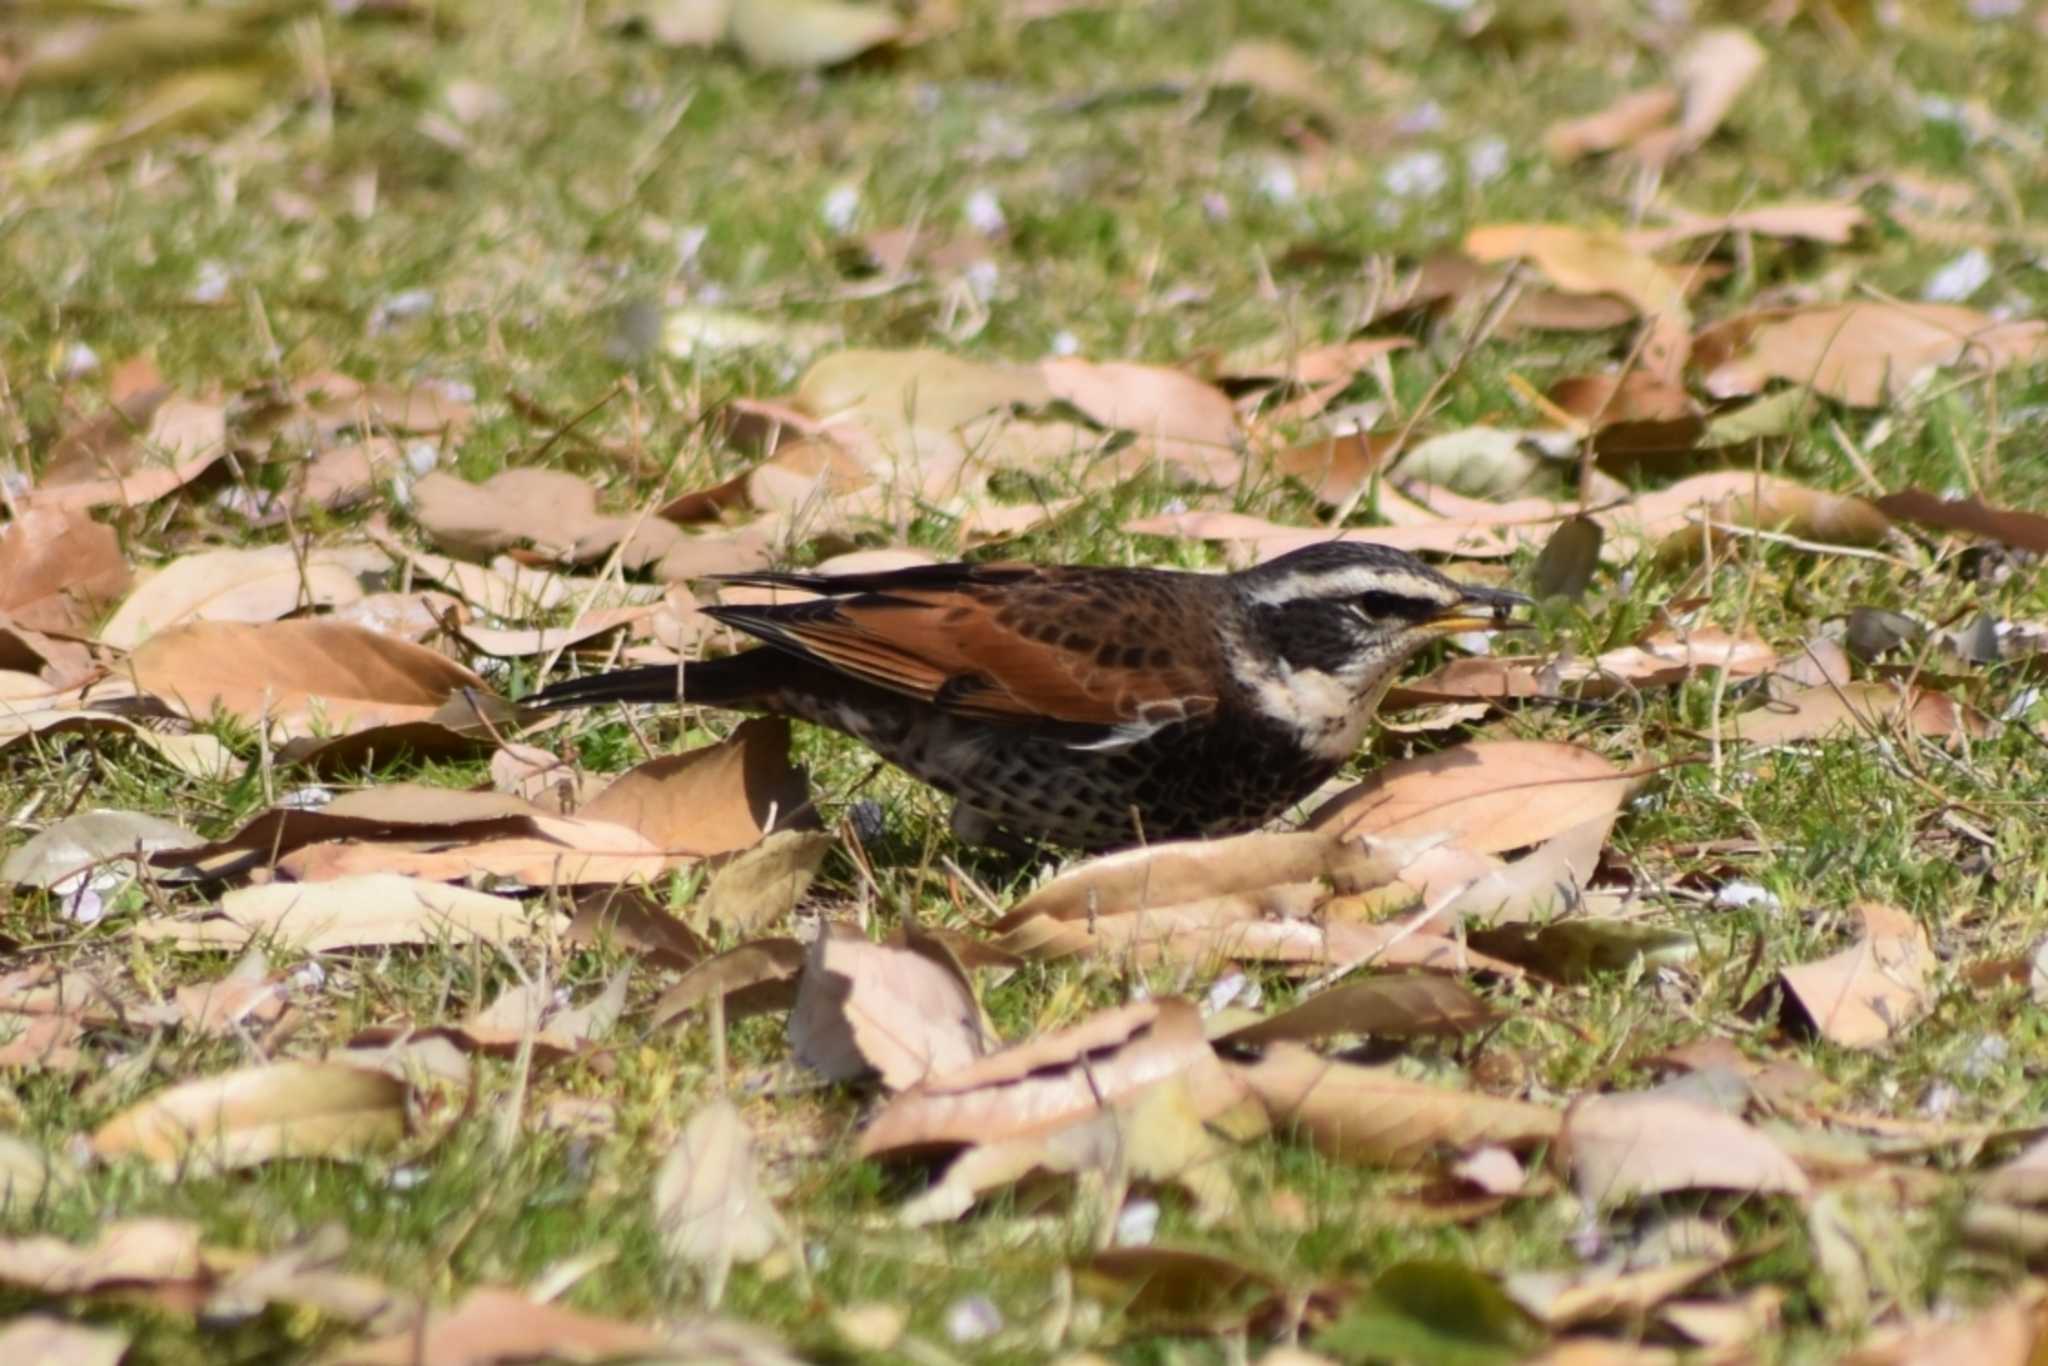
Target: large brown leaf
370,910
56,568
714,800
1621,1148
1863,352
1369,1114
296,677
1487,797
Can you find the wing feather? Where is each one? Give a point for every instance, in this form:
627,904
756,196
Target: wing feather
1022,648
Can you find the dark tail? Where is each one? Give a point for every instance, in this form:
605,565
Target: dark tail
732,681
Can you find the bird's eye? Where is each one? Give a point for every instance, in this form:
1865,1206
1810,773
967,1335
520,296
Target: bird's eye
1384,606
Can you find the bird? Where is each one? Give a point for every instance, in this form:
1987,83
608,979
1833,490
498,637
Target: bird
1088,707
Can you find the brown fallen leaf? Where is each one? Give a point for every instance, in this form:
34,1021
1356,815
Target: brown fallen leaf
2013,1331
248,993
1620,1148
713,800
296,677
496,1325
1815,221
263,583
1622,122
2023,530
1853,710
1865,995
630,918
750,979
1606,1292
1393,1005
57,569
162,1253
761,886
906,1014
139,489
1178,420
1862,353
1485,797
256,1114
1047,1082
1579,260
1175,873
1369,1114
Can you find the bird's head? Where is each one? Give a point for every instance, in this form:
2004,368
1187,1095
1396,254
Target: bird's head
1352,612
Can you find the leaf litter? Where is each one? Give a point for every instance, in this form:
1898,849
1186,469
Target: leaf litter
182,576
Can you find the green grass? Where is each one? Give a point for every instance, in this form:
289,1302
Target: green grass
568,205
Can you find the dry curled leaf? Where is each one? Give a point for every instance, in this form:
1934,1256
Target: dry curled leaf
906,1014
1045,1083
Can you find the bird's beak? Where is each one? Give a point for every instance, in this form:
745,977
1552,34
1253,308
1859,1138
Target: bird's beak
1481,609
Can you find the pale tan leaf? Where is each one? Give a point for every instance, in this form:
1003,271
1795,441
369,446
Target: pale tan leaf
260,584
2022,1181
26,1173
139,489
1864,996
298,677
708,1202
936,388
549,509
714,800
805,34
1485,797
1606,1292
2012,1332
1156,1134
76,848
1369,1114
906,1014
1584,261
1187,422
1817,221
1864,352
40,1340
250,1116
131,1251
365,911
1620,1148
1712,70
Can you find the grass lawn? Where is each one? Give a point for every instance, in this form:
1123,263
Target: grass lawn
530,209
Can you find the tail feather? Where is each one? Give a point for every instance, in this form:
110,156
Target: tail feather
733,681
